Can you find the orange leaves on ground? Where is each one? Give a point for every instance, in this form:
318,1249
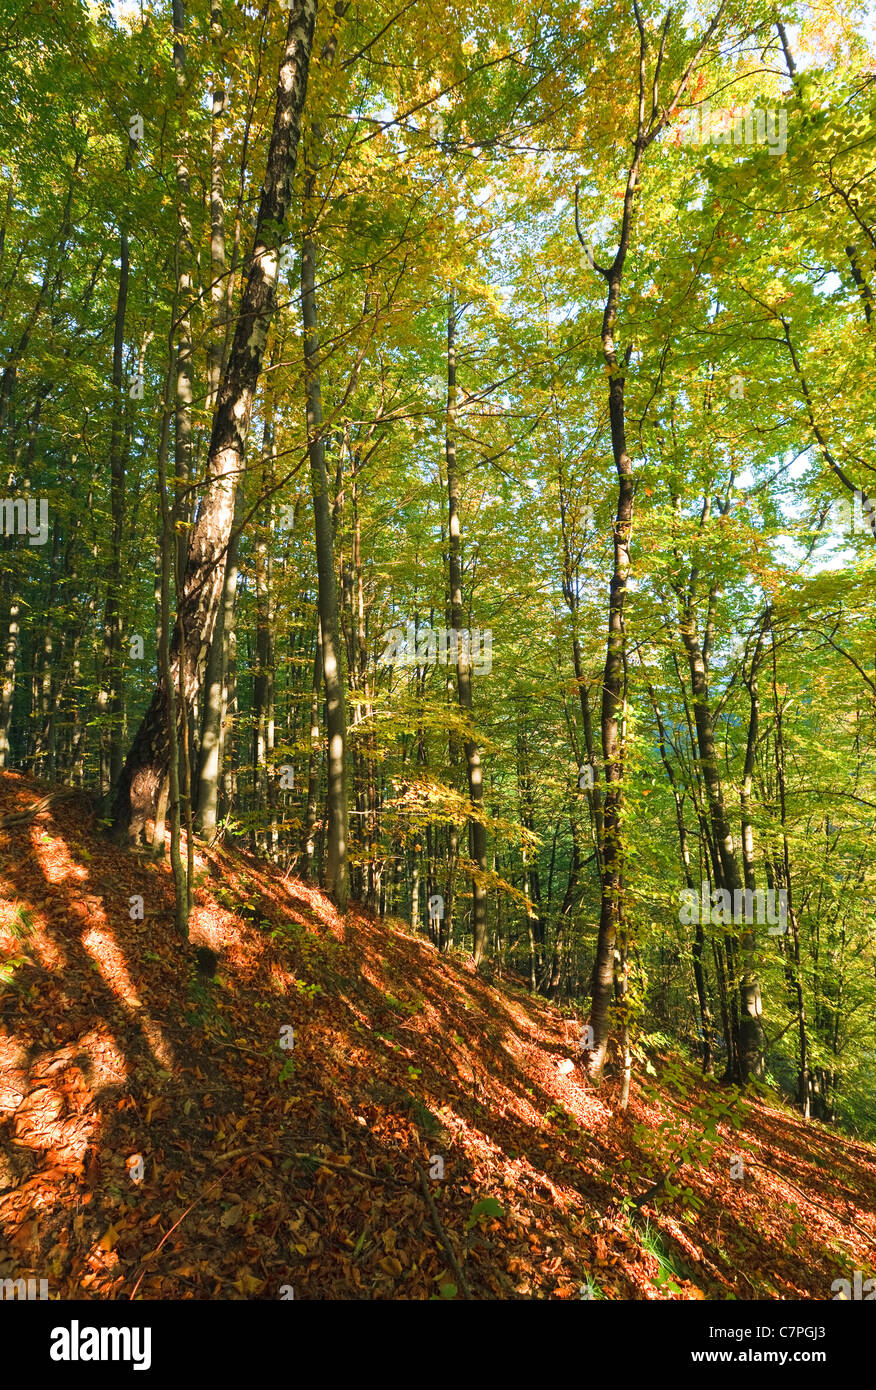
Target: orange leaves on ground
265,1170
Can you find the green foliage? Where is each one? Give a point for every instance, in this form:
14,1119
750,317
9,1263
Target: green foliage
450,155
689,1139
487,1208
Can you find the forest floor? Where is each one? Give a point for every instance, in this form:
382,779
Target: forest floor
158,1141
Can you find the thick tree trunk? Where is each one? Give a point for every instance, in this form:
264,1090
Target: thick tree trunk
203,579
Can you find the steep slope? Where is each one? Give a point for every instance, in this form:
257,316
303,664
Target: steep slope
165,1135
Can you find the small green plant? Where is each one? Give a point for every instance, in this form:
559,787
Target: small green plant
22,925
204,1011
562,1119
485,1208
309,990
667,1268
683,1140
8,969
287,932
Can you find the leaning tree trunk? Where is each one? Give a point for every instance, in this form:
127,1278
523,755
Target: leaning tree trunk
203,579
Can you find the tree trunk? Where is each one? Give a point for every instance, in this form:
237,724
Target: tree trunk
215,677
477,831
111,697
181,882
263,675
803,1083
336,871
749,1046
699,934
611,916
203,579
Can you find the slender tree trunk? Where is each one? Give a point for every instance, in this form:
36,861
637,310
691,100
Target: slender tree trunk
215,683
181,882
477,831
218,294
804,1073
611,918
699,934
263,679
7,690
111,697
308,847
531,881
336,870
182,437
750,1035
613,697
209,769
